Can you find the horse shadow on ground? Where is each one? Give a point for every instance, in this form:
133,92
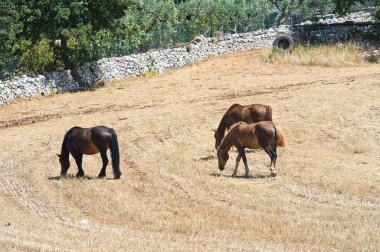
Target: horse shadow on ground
259,176
72,177
214,157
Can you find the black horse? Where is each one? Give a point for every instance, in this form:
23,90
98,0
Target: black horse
90,141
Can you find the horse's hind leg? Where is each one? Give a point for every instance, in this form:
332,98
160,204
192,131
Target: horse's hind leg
242,153
103,154
78,160
273,157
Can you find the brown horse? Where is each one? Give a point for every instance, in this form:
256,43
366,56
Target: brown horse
90,141
237,113
264,134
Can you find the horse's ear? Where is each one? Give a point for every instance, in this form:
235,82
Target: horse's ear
213,130
59,155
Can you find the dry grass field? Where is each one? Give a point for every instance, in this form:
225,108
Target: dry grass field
172,197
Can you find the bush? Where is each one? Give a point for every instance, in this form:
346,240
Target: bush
38,57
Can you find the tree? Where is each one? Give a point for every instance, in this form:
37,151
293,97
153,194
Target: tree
284,7
149,22
342,6
254,9
377,10
195,17
10,26
68,25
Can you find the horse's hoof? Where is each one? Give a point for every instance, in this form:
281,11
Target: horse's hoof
117,176
273,174
80,175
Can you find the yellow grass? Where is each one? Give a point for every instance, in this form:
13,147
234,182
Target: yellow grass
172,197
321,55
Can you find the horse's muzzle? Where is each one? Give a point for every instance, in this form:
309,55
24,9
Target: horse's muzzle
221,167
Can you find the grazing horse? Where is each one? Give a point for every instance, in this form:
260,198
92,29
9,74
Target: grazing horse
90,141
237,113
264,134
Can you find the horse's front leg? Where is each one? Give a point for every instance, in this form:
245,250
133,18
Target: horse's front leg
103,154
245,163
237,164
78,160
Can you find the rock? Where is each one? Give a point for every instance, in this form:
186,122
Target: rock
84,222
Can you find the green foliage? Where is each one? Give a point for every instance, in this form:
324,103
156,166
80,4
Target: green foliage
74,23
79,44
343,6
215,17
104,44
194,18
150,23
377,10
10,26
55,34
285,7
254,12
39,57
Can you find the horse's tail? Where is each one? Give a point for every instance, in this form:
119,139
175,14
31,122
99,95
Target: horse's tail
115,155
269,113
280,136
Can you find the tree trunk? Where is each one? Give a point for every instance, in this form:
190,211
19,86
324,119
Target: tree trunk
280,18
68,62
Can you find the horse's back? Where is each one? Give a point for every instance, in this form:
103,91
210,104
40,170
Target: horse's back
249,113
245,134
89,141
101,134
266,127
259,112
234,106
270,133
262,132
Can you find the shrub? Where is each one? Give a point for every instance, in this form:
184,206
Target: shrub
38,57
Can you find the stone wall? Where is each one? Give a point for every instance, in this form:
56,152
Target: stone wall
358,27
330,29
325,33
137,64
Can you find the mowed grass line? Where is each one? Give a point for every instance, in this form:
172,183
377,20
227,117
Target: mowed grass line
172,196
320,55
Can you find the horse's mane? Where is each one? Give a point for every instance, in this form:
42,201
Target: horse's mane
222,121
231,131
236,124
66,138
231,108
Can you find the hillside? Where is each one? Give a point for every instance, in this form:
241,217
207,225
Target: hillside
171,196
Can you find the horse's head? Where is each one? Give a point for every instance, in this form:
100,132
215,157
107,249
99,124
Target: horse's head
222,158
65,164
